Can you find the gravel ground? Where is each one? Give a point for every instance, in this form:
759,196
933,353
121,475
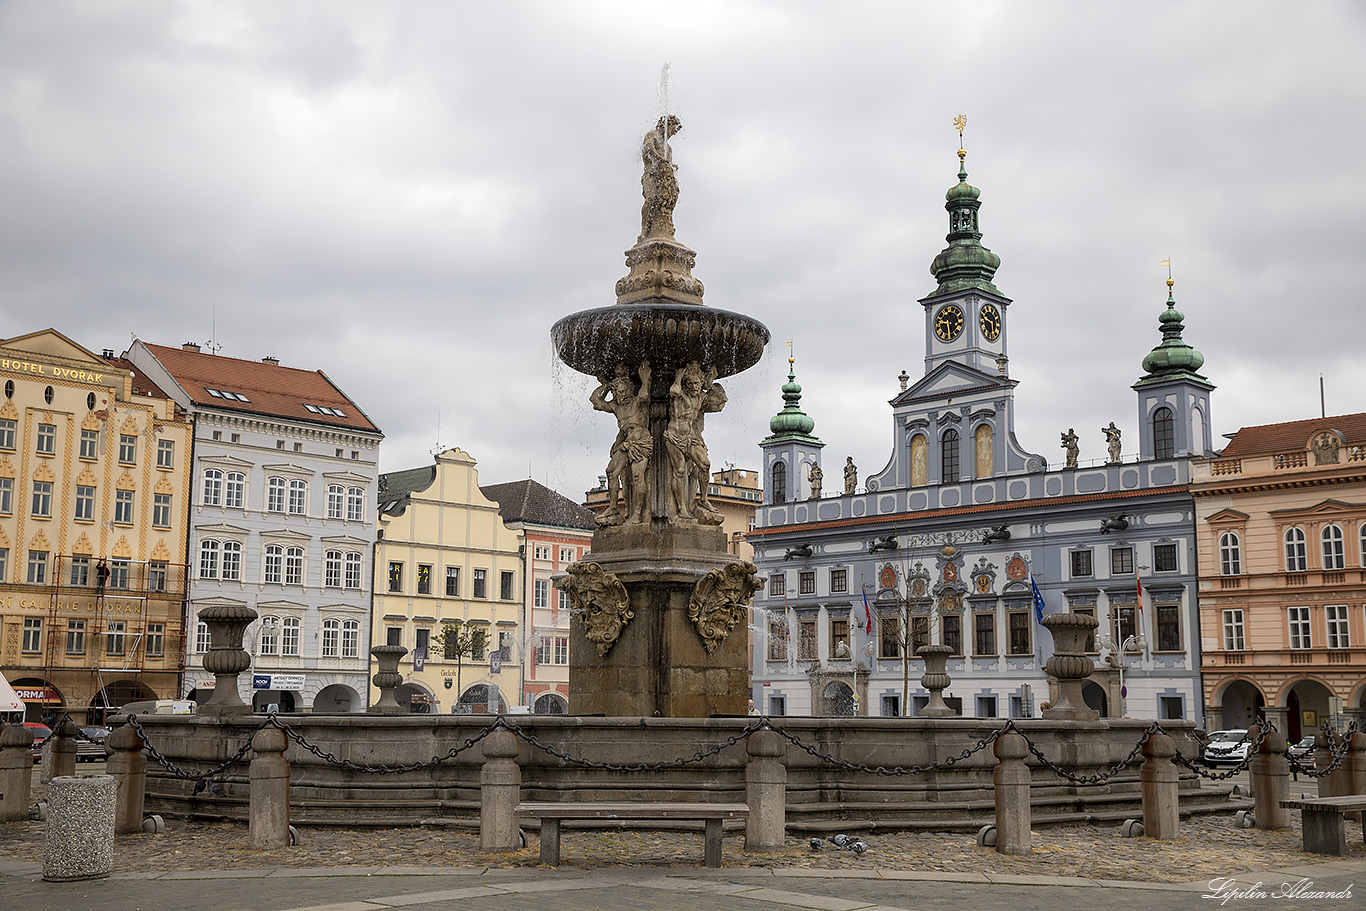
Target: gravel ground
1210,846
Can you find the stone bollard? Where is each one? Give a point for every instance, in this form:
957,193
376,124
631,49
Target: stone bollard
1333,784
269,802
1354,767
1161,804
80,828
61,748
1011,777
16,771
766,792
128,767
500,787
1270,774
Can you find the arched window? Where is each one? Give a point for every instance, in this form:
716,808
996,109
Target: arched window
1296,559
232,561
235,490
332,569
1164,440
1362,542
298,497
948,447
779,485
1230,555
213,487
294,566
275,495
289,636
336,500
268,643
350,647
1334,553
275,564
208,559
331,638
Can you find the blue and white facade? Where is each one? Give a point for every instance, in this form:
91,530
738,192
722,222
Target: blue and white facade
282,520
941,544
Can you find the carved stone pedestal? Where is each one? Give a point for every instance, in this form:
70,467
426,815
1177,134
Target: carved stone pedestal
226,659
1070,665
659,663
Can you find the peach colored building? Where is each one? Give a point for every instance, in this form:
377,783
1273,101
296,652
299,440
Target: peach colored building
1281,528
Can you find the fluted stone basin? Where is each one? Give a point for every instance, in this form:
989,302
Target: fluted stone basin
666,334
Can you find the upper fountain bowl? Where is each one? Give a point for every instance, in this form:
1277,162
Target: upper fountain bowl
668,335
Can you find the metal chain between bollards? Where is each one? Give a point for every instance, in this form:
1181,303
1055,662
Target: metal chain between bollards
894,770
333,759
699,756
1099,777
176,770
1243,764
1338,753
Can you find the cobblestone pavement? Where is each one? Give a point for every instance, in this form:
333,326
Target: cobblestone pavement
209,866
1210,846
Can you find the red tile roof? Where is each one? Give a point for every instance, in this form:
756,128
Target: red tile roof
141,384
269,388
1293,436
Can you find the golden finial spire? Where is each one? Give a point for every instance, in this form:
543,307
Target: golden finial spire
1168,263
960,123
791,354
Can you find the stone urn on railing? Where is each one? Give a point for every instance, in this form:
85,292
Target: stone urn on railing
936,680
387,679
226,659
1069,665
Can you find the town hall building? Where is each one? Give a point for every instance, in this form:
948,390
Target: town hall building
948,540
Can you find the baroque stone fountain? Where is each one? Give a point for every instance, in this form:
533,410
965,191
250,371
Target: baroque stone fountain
660,605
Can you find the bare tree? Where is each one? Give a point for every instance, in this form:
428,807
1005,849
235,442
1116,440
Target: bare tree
460,640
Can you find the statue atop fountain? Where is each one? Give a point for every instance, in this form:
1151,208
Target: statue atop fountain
657,354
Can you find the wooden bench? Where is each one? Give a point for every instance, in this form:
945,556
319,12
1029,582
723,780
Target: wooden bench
1323,821
551,814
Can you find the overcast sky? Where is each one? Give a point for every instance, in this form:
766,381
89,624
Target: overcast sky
407,195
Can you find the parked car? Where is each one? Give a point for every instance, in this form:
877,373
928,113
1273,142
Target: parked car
1302,752
41,732
1231,747
90,745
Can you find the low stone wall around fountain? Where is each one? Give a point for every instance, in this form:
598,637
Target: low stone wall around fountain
820,794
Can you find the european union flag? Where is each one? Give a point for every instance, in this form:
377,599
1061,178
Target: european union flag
1038,599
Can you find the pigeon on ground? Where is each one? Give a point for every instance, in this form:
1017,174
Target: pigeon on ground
815,844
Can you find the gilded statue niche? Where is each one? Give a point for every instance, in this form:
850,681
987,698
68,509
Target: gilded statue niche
599,600
721,600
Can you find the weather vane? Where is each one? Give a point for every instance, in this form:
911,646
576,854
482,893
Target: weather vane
960,123
791,352
1168,263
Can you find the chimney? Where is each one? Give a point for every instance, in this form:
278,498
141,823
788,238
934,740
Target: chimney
108,353
272,361
190,346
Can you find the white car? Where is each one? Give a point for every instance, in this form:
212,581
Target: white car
1231,747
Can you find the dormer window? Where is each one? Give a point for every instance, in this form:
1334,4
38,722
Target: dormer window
221,394
325,409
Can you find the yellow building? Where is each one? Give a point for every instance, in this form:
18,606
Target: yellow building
445,558
1281,527
93,503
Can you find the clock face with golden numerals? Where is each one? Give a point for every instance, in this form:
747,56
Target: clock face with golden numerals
948,322
989,321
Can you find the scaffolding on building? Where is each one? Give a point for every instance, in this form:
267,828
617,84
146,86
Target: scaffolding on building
119,620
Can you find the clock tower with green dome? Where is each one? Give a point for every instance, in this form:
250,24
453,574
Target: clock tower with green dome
1173,398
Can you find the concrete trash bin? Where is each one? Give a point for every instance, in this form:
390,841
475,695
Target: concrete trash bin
80,828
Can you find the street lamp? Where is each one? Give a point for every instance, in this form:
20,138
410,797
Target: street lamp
1114,655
